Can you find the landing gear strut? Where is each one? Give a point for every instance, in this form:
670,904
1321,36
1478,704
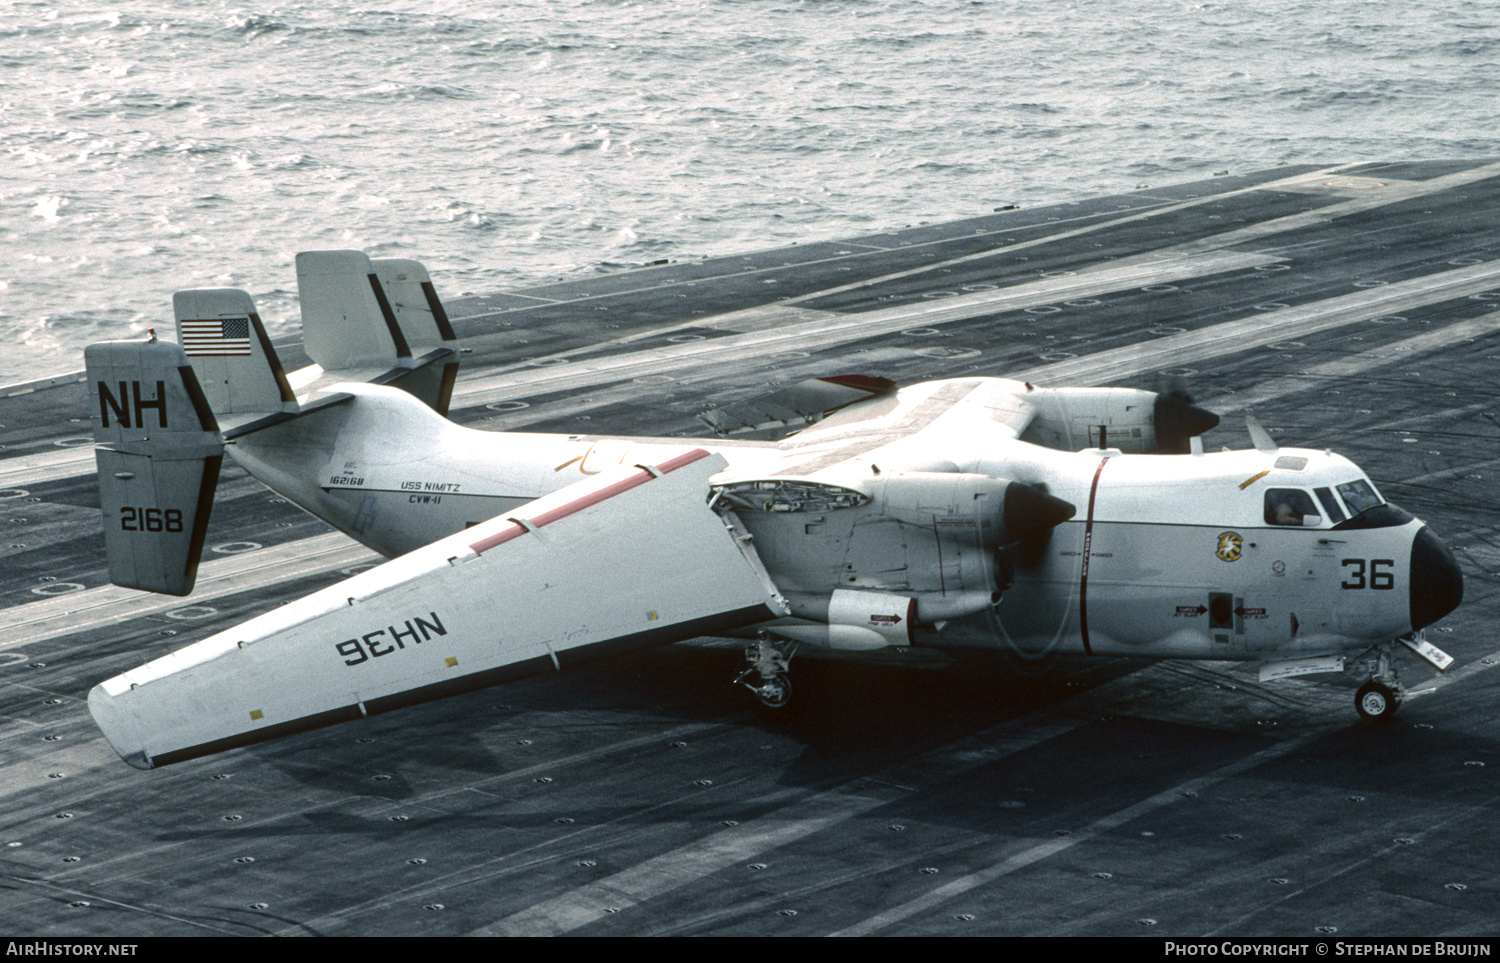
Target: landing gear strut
1378,699
766,674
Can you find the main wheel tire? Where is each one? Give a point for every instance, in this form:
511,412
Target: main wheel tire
1376,701
779,707
774,694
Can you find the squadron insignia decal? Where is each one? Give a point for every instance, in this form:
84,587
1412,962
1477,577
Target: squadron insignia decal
1230,545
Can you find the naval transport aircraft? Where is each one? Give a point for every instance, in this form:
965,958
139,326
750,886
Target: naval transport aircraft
965,514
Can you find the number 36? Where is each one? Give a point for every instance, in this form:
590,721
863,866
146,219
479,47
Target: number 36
1381,576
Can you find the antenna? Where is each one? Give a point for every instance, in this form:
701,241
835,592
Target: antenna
1259,437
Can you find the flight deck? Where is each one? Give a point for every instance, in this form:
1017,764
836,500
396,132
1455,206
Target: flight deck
1353,307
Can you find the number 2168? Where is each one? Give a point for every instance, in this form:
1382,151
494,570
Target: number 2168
134,519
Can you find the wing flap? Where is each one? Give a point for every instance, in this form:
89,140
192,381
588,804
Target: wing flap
631,559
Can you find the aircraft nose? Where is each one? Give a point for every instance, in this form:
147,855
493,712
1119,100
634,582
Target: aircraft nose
1437,585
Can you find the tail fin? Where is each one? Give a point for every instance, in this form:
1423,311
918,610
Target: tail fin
414,301
347,321
424,322
159,450
232,356
378,321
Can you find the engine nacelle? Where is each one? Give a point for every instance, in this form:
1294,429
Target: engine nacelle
924,535
852,621
952,504
1134,421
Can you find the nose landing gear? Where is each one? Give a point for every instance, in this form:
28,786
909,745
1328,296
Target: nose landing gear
1377,701
1379,698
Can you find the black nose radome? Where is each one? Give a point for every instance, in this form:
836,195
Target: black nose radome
1437,585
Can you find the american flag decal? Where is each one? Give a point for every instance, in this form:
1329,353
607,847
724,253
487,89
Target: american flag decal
223,336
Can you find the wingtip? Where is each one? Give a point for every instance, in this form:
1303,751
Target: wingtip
112,722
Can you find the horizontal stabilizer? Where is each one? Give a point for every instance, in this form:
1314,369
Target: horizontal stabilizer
629,559
227,345
159,451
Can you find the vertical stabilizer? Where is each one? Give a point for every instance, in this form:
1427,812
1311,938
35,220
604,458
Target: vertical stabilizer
413,299
376,321
424,323
230,352
348,323
159,450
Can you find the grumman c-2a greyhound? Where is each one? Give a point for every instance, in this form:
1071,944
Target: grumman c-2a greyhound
972,513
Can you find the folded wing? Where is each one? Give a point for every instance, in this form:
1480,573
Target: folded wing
635,558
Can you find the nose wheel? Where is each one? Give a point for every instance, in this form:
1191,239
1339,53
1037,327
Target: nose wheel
1379,698
1377,701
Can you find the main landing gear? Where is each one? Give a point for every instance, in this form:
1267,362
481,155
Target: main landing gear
766,675
1378,699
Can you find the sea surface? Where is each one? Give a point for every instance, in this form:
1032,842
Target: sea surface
148,146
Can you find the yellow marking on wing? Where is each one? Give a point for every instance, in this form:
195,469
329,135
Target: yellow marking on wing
568,462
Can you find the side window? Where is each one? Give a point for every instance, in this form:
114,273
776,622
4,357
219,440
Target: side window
1291,507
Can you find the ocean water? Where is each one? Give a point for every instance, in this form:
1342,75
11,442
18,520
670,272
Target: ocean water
148,146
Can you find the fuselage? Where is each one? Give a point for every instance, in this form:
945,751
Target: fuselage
1198,556
1257,555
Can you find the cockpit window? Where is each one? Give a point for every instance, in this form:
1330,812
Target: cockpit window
1358,495
1330,504
1291,507
1367,509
